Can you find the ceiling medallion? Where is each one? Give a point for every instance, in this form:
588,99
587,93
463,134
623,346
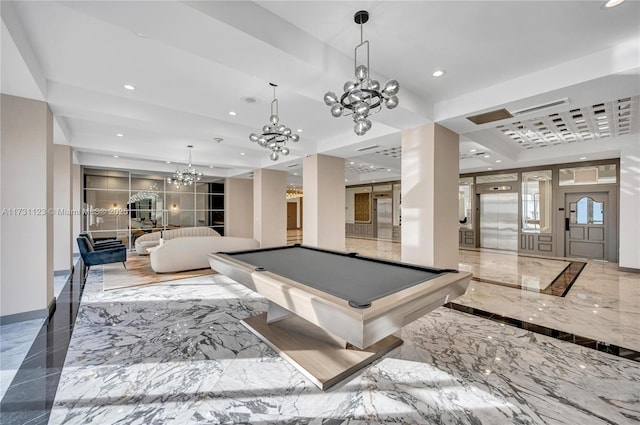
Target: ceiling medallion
275,136
363,96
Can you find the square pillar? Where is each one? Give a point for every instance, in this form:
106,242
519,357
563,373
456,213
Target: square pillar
26,245
238,207
629,255
324,202
270,207
63,206
430,173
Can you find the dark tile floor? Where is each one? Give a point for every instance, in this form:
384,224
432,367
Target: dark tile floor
29,398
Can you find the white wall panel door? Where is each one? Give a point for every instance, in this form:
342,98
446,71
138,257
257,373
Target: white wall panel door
586,225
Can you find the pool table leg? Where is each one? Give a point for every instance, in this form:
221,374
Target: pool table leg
276,313
318,355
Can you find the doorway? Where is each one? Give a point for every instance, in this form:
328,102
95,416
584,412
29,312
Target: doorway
587,230
499,221
292,215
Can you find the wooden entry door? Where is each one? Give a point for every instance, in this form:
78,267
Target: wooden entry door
586,229
292,215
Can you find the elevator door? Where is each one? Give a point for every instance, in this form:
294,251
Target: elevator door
384,218
499,221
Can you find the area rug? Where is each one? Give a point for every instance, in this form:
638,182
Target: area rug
139,272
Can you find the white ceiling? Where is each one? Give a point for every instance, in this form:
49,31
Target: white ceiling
193,62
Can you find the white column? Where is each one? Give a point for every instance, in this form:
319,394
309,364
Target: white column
324,202
270,207
26,151
62,204
430,196
629,257
238,207
76,195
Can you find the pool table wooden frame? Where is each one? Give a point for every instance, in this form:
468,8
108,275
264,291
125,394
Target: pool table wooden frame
362,328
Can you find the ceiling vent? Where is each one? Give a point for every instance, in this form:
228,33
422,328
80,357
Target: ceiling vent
541,107
367,148
491,116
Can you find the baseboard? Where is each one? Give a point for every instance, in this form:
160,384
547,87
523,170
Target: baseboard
628,270
43,313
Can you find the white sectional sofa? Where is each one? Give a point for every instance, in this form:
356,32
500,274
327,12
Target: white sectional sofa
150,240
191,253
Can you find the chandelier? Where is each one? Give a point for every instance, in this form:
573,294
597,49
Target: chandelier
275,136
293,193
363,96
185,177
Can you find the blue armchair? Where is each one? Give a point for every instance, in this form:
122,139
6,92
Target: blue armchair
92,257
98,245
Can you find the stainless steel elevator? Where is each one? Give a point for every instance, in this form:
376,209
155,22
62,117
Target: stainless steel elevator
499,221
384,218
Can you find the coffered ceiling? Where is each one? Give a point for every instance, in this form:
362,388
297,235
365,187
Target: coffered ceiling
192,63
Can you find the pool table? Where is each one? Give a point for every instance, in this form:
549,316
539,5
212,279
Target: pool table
350,305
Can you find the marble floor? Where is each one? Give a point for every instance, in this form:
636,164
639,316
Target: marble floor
176,353
603,304
16,340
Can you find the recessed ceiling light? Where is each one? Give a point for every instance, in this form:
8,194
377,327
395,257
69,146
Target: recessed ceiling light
487,156
168,162
141,35
242,153
473,150
116,156
351,163
129,87
295,174
210,166
232,113
489,168
119,135
438,73
583,157
498,160
373,181
388,169
299,130
612,3
371,166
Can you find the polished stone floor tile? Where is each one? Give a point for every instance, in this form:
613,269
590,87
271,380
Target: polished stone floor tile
15,342
29,397
602,305
178,355
175,353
